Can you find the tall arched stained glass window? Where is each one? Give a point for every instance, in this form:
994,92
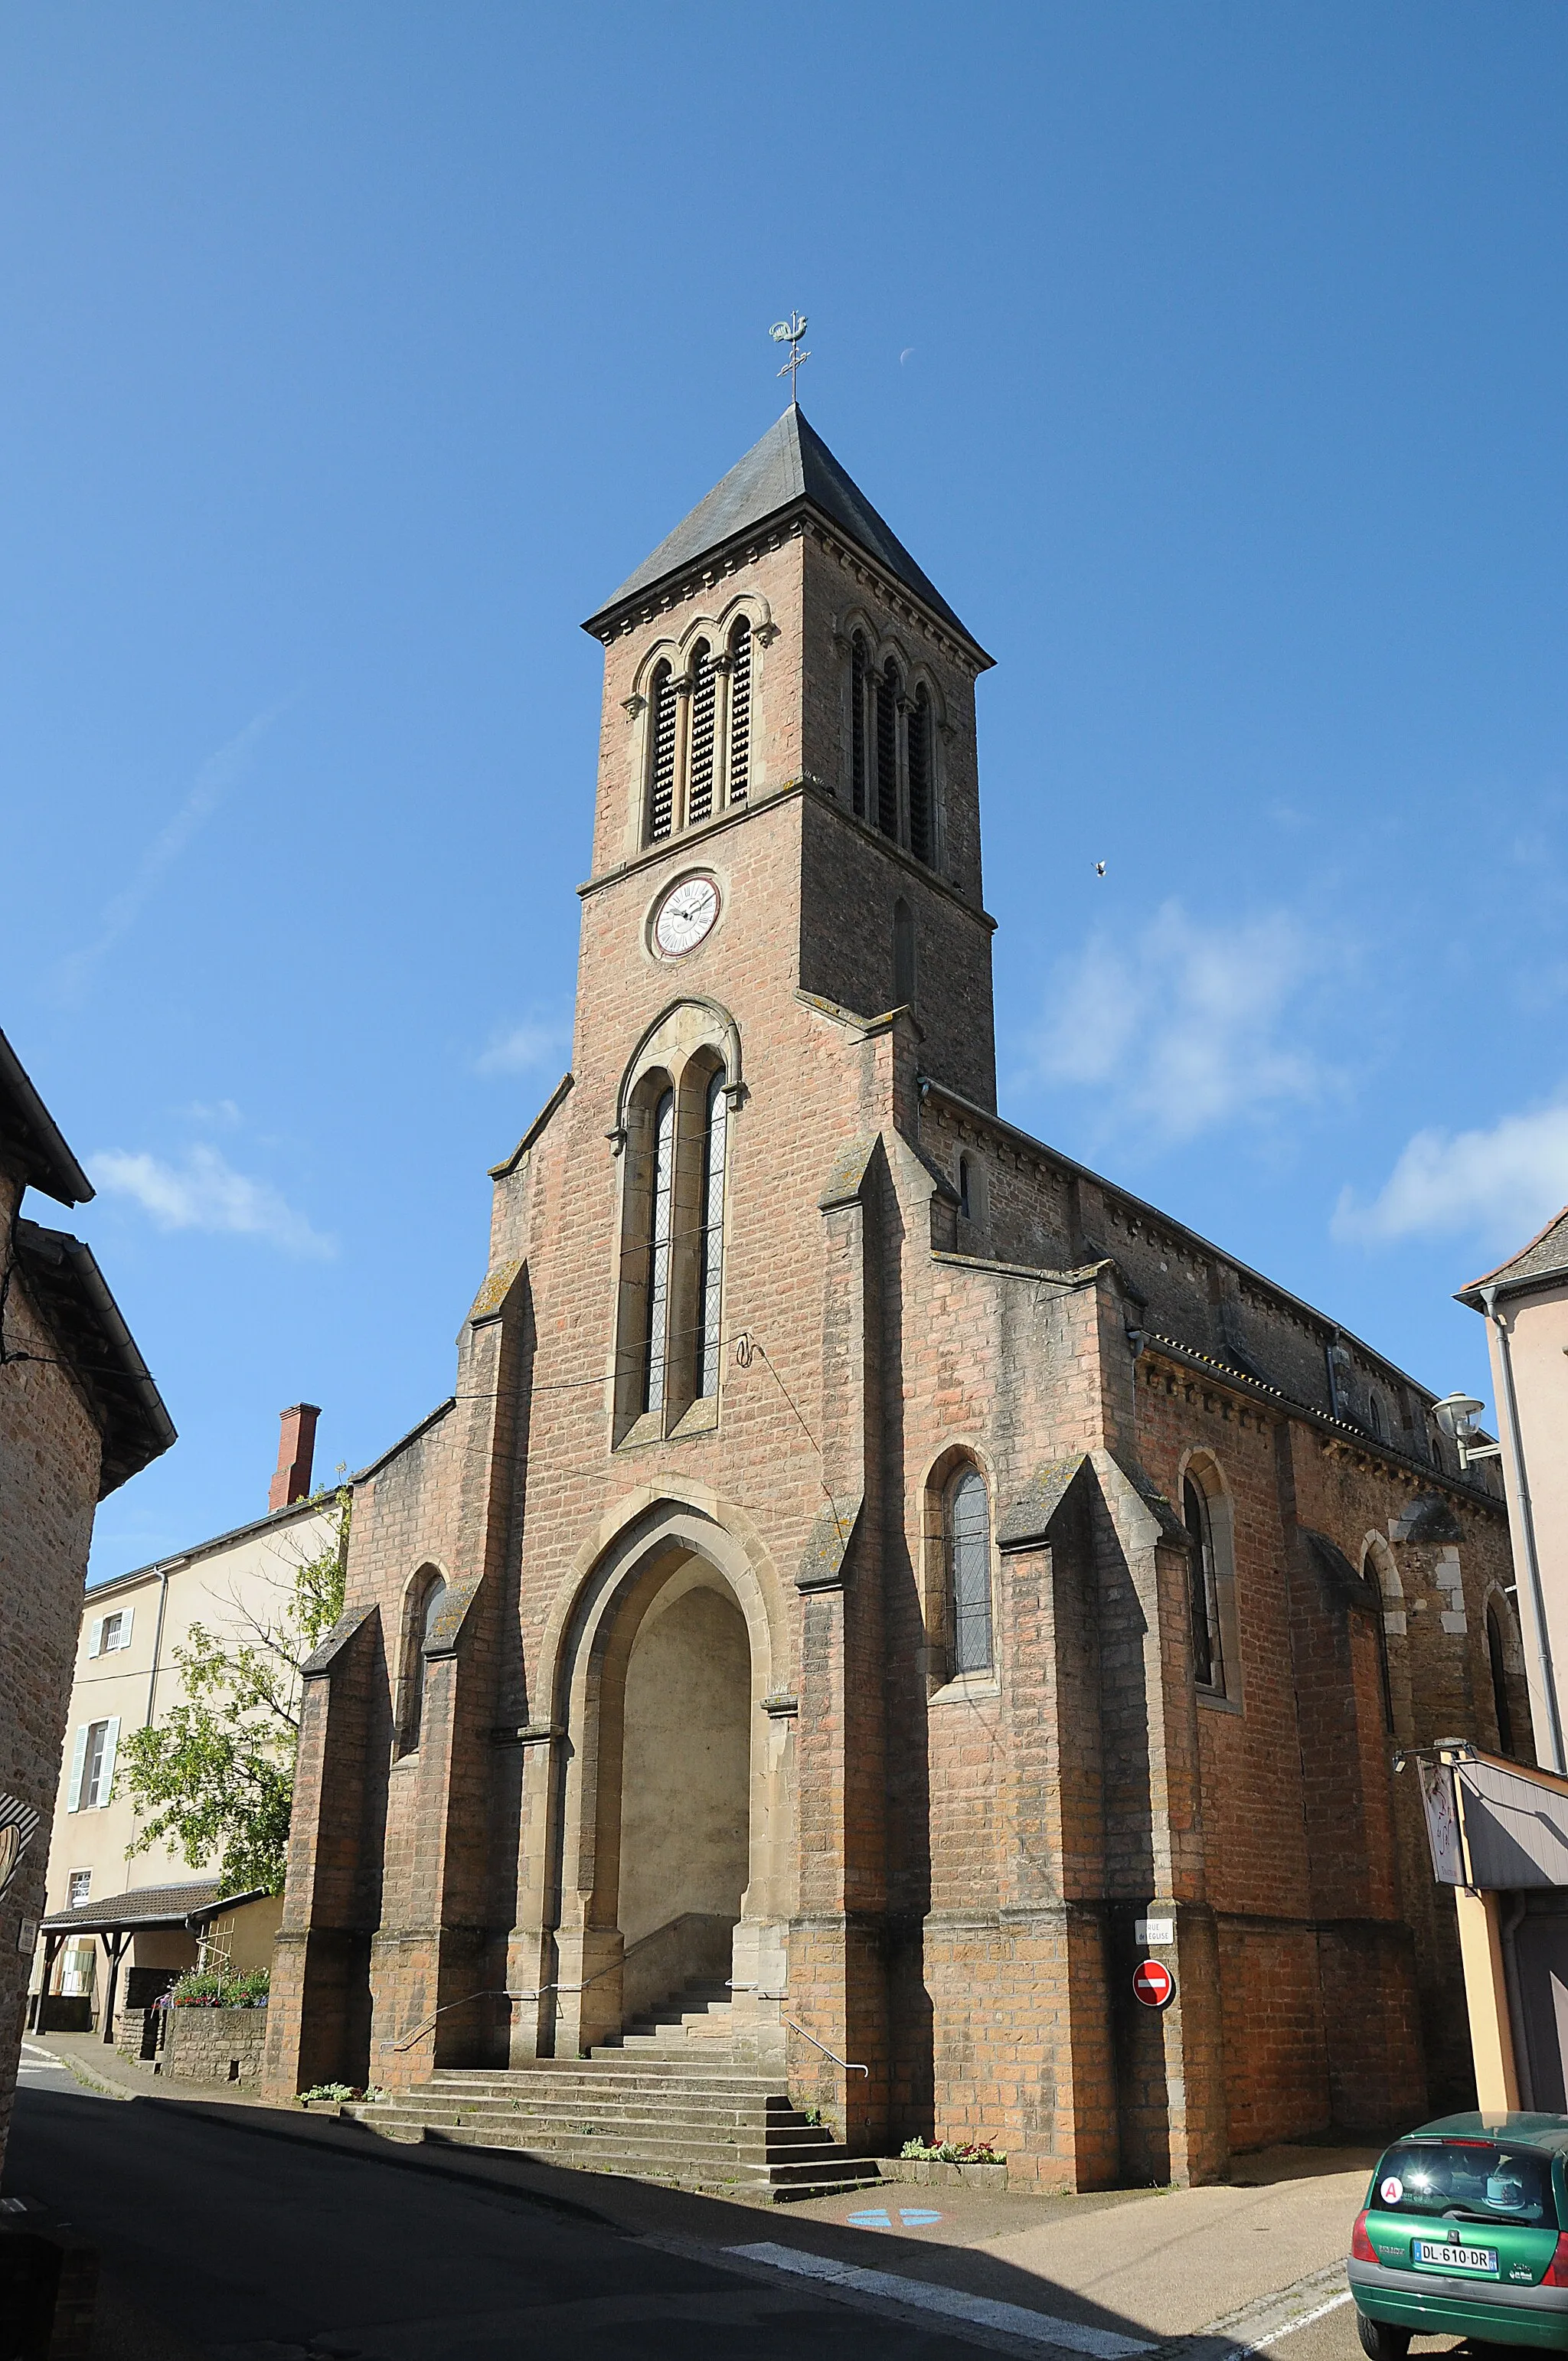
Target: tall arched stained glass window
425,1606
887,752
699,774
662,754
710,1266
1208,1666
920,774
660,1211
740,711
969,1571
858,774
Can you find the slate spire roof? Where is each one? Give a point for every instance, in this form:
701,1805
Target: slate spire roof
790,469
1547,1253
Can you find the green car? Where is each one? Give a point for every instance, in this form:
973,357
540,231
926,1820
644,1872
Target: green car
1465,2233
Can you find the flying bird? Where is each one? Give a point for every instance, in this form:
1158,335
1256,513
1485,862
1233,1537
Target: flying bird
1100,869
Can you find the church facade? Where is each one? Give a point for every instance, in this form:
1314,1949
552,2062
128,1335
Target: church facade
869,1562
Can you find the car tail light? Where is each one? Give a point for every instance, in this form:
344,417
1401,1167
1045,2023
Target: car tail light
1557,2269
1363,2251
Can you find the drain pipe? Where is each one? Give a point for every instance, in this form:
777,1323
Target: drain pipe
1515,1997
1510,1421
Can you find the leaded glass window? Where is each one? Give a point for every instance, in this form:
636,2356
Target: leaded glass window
969,1571
1208,1664
858,725
661,1211
710,1274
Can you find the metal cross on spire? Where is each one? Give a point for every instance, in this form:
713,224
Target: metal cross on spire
790,332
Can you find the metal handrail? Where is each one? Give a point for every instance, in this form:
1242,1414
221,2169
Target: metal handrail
500,1992
844,2062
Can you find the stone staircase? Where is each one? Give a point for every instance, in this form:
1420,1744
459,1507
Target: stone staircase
678,2099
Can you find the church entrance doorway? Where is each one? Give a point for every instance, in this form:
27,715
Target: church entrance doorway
685,1789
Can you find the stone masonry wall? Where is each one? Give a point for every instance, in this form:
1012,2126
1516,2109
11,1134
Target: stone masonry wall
48,1488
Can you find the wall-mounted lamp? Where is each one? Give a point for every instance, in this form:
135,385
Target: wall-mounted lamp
1456,1415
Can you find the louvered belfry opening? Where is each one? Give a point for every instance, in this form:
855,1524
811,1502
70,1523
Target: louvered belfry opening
858,724
920,774
662,767
740,710
887,752
704,684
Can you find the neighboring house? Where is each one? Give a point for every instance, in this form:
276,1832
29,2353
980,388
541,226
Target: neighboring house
1525,1304
126,1676
871,1573
78,1415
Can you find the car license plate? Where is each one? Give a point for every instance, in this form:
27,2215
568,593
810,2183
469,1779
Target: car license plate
1438,2258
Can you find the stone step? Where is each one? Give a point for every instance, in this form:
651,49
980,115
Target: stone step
794,2144
602,2072
822,2175
775,2122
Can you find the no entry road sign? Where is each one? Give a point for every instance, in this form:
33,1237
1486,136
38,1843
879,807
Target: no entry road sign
1153,1984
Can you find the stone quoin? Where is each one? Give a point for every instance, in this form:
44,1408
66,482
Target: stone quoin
869,1562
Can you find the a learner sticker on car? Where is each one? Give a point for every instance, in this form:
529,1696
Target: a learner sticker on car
1442,2258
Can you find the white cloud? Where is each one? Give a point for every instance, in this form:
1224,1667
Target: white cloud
1183,1028
206,1192
519,1048
1500,1185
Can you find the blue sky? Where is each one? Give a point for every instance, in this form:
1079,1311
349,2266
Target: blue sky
1211,359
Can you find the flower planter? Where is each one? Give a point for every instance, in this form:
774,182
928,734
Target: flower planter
927,2172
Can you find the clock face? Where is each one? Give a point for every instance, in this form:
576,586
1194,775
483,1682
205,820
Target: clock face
684,916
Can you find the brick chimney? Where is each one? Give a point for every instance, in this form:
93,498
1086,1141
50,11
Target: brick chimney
296,1449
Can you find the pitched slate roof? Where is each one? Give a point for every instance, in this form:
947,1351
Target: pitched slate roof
69,1291
150,1906
790,468
1546,1255
30,1139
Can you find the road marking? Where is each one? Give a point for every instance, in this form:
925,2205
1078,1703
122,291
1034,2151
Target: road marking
1290,2326
922,2295
878,2217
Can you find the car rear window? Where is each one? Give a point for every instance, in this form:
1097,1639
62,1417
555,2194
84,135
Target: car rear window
1475,2181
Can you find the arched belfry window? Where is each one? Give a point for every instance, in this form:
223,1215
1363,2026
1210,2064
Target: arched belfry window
699,770
663,709
920,774
660,1226
740,711
1208,1652
887,695
1494,1658
966,1520
710,1239
426,1599
859,778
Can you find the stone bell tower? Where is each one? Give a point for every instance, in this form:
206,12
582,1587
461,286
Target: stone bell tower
781,652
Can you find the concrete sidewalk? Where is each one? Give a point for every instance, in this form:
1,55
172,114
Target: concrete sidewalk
1264,2249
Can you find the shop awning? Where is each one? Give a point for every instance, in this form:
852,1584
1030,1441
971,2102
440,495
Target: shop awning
1492,1826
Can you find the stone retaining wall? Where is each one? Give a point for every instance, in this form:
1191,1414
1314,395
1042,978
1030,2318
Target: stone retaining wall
215,2044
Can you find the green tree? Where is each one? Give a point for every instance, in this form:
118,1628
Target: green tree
215,1777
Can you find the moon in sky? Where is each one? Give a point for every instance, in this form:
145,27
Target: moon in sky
903,356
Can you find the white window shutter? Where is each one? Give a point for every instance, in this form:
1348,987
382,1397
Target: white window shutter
127,1617
94,1644
111,1743
73,1799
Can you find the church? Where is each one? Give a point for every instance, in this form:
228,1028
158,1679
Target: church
875,1583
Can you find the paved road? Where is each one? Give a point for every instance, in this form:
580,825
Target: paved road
217,2243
